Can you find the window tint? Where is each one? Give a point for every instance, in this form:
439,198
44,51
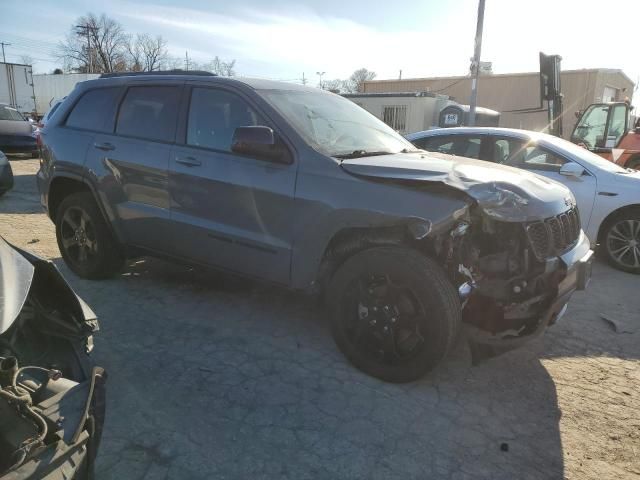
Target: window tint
94,110
213,117
454,145
150,113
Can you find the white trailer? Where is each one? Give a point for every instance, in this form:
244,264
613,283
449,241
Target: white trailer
51,88
417,111
16,87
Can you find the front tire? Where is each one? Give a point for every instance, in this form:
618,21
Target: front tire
84,238
394,313
621,241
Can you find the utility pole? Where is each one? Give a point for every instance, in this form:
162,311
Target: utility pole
475,65
304,80
400,75
320,74
4,60
186,60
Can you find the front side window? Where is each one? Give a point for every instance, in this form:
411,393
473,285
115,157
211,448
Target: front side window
334,125
94,111
150,113
591,127
214,116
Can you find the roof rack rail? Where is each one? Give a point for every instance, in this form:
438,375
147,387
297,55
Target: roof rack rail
200,73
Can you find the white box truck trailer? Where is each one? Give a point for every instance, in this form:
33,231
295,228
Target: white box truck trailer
16,88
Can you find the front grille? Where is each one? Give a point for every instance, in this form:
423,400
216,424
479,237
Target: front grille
554,235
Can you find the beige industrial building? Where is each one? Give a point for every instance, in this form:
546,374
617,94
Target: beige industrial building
516,91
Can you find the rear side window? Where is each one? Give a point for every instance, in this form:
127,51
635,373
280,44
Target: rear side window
150,113
453,145
95,110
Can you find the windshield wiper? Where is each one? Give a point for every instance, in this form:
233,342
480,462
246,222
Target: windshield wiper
361,153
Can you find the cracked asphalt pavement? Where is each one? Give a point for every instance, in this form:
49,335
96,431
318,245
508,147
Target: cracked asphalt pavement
211,376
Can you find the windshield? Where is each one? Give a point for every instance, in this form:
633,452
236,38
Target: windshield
585,155
590,129
7,113
334,125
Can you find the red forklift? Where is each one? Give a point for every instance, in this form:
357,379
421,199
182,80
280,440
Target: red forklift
611,131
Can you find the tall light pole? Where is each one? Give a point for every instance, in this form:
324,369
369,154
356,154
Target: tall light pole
320,74
475,65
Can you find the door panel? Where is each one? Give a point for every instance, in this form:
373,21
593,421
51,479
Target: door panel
230,211
133,178
132,164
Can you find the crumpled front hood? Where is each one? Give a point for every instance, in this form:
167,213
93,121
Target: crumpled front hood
16,274
19,271
504,193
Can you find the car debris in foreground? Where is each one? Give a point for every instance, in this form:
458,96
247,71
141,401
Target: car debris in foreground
51,394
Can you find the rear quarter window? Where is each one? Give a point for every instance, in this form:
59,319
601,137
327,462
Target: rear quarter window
95,110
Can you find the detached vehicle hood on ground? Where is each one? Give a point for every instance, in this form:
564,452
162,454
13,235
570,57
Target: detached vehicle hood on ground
51,394
504,193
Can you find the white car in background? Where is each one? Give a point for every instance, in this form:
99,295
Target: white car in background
608,196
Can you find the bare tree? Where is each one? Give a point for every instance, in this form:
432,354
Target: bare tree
134,54
336,85
220,67
153,51
355,82
95,44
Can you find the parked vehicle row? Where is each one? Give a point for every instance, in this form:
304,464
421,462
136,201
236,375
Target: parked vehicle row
607,195
303,188
16,132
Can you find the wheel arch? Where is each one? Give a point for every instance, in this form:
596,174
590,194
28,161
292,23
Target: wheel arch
611,216
62,186
348,241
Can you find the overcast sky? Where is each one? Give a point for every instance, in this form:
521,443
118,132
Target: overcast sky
281,39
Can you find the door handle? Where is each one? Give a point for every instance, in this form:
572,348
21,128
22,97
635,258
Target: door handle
104,146
189,161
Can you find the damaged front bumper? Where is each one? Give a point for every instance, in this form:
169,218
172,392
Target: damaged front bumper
577,263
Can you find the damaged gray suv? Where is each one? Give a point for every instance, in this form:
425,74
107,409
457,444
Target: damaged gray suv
305,189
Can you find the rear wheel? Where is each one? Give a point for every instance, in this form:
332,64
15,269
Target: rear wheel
394,313
84,239
621,241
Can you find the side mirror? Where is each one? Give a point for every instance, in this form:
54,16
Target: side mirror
258,141
572,169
